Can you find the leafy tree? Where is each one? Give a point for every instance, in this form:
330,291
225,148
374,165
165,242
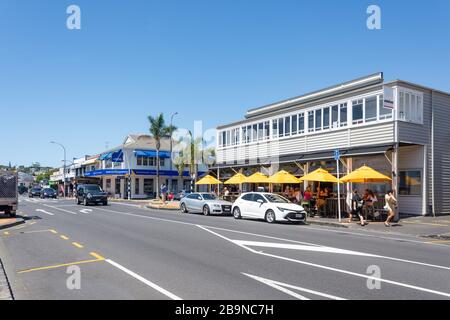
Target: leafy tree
158,130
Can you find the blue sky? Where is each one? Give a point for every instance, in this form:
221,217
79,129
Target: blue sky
208,60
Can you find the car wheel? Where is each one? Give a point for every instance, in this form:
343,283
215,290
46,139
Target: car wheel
183,208
270,216
12,214
85,203
237,213
206,210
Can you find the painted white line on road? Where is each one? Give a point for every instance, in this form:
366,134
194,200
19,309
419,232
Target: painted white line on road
445,294
282,287
58,208
300,247
49,213
85,210
143,280
125,204
276,238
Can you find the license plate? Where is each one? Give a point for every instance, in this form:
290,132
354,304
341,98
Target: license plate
299,216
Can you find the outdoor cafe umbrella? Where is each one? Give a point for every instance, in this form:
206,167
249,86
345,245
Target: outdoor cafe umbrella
319,175
208,180
238,178
282,177
257,177
365,174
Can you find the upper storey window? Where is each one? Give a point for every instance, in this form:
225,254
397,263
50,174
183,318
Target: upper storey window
410,106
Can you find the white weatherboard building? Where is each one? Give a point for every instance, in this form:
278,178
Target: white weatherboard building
398,128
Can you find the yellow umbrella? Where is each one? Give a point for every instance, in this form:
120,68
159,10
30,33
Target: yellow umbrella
207,180
283,177
238,178
257,177
319,175
365,174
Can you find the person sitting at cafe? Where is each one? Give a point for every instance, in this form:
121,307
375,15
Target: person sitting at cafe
321,196
297,195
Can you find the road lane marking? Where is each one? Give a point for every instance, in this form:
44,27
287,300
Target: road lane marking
85,210
445,294
282,287
76,244
60,265
58,208
438,241
53,231
49,213
64,237
6,233
145,281
97,256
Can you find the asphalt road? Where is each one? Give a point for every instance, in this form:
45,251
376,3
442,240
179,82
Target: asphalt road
125,252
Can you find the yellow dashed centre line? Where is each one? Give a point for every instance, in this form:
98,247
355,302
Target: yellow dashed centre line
76,244
61,265
439,241
53,231
6,233
97,256
64,237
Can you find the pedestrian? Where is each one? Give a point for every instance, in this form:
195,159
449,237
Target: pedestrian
163,192
391,205
356,208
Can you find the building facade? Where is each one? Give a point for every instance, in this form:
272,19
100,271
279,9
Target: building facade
397,127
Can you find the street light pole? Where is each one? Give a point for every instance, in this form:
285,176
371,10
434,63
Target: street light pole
171,132
64,166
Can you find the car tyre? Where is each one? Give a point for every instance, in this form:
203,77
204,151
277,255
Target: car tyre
237,213
183,208
85,203
206,210
270,216
12,214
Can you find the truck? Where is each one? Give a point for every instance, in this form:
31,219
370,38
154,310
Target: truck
9,198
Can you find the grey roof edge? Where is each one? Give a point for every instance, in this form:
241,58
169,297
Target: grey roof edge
366,80
400,81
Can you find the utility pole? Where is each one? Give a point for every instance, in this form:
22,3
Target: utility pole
171,132
64,166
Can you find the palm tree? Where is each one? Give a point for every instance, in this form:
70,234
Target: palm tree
158,130
180,163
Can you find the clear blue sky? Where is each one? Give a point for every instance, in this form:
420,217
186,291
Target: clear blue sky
210,60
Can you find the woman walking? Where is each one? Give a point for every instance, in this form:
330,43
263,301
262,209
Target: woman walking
356,208
391,205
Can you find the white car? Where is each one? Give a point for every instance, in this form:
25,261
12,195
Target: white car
268,206
206,203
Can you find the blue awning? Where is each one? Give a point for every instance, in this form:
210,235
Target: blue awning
151,153
116,156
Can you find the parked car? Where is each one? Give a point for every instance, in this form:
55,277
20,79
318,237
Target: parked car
91,194
22,190
268,206
34,192
206,203
48,193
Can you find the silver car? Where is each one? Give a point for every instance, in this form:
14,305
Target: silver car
204,202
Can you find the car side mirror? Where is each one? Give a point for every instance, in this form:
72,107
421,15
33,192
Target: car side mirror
260,201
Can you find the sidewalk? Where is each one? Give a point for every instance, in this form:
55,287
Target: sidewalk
437,229
7,222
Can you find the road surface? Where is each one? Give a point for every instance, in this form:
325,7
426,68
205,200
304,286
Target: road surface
122,251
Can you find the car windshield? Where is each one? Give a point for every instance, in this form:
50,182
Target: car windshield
208,196
93,189
274,198
48,190
36,189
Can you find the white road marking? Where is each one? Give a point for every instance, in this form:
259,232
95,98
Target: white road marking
300,247
282,287
145,281
47,205
445,294
125,204
86,210
49,213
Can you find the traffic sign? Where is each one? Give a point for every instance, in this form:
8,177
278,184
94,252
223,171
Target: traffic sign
337,155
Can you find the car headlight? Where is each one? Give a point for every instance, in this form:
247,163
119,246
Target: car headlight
283,209
89,196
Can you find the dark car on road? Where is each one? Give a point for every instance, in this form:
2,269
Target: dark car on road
91,194
48,193
34,192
